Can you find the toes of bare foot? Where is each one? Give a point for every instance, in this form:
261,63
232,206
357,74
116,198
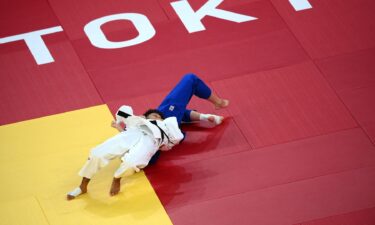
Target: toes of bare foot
70,197
114,192
211,119
224,103
75,193
215,119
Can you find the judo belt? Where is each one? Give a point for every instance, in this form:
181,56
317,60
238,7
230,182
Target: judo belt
123,114
163,134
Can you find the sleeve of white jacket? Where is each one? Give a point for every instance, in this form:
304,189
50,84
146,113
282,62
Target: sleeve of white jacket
174,133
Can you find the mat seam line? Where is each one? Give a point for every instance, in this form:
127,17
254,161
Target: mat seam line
164,11
41,208
235,123
345,105
277,185
347,53
157,196
244,150
335,215
228,43
78,56
311,136
252,146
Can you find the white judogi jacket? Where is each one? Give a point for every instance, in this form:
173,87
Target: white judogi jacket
172,133
166,131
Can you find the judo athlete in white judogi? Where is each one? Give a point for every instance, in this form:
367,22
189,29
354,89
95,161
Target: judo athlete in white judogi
135,146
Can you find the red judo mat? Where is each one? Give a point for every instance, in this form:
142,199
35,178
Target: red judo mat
365,217
352,77
286,204
246,171
285,104
297,143
332,28
28,90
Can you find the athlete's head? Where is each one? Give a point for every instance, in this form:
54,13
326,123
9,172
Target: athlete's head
154,114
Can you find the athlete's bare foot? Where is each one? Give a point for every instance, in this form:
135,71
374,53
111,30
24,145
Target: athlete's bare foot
115,187
75,193
223,103
215,119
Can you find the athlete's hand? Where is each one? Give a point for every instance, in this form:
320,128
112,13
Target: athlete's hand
114,124
117,126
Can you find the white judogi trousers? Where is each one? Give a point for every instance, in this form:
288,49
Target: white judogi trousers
135,147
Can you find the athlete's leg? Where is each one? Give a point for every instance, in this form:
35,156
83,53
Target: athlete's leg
82,189
100,156
176,101
114,147
188,86
218,102
197,116
115,186
133,161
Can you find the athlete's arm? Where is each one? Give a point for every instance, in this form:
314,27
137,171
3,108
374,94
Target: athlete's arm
117,126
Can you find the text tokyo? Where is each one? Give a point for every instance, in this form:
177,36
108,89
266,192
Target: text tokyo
191,19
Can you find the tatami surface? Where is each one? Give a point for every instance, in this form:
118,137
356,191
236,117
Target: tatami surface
297,145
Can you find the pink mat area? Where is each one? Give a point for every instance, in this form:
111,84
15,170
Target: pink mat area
297,144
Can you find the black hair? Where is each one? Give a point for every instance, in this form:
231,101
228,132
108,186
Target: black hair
148,112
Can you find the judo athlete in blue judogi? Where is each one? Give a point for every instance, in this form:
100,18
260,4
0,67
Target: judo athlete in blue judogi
175,104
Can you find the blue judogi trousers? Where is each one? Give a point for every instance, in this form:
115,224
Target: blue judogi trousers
175,103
